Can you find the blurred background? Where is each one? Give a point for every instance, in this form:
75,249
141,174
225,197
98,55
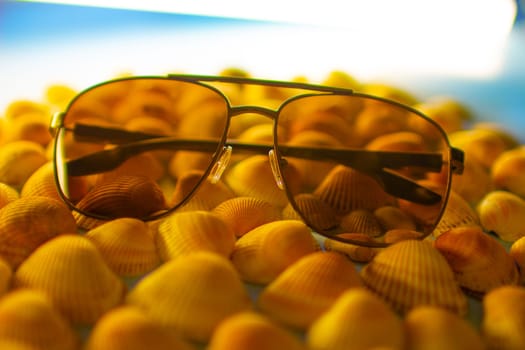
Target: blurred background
473,50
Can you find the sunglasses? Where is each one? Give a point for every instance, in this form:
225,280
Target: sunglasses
341,161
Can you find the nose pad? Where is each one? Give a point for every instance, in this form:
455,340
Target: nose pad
274,164
221,164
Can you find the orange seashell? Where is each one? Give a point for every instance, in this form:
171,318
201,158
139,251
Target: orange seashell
502,212
391,217
479,262
72,273
458,212
358,319
128,328
402,141
28,317
250,330
28,222
18,160
6,273
191,295
401,234
142,165
413,273
517,251
307,288
266,251
32,126
447,111
313,210
127,246
483,145
358,253
361,221
7,194
189,231
474,183
508,171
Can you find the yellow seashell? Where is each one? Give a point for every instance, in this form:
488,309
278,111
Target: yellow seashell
502,212
402,141
325,121
390,91
342,79
474,183
400,234
430,327
72,273
358,253
479,262
266,251
243,214
447,111
6,274
503,323
314,211
7,194
28,317
191,295
15,345
59,95
18,160
189,231
307,288
32,127
250,330
128,328
184,162
18,108
361,221
28,222
391,217
357,320
142,165
413,273
458,212
127,246
517,251
508,171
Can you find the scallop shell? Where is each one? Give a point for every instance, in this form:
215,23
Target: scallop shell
390,92
502,212
503,323
250,330
317,213
7,194
33,126
189,231
72,273
474,183
28,317
266,251
128,328
401,234
430,327
59,95
412,273
358,253
184,162
447,111
19,108
480,263
341,79
323,121
517,251
483,145
357,320
243,214
391,218
28,222
403,141
191,295
361,221
127,246
508,171
307,288
345,189
6,274
142,165
458,212
18,160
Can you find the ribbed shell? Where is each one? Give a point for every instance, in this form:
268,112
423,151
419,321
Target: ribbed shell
358,253
507,171
502,212
361,221
412,273
7,194
517,251
72,273
391,217
458,212
18,160
318,213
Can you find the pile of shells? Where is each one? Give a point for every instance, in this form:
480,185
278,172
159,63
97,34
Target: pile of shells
235,267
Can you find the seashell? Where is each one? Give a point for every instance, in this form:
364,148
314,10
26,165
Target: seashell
358,253
502,212
503,322
7,194
324,121
143,103
191,295
18,160
250,330
28,222
243,214
151,125
307,288
6,274
313,210
258,133
508,171
127,246
59,95
19,108
483,145
15,345
430,327
342,79
203,120
480,263
28,317
391,217
142,165
402,141
401,234
413,273
361,221
70,270
207,195
127,327
474,183
32,127
184,162
345,189
447,112
266,251
517,251
189,231
253,177
390,92
458,212
358,319
502,132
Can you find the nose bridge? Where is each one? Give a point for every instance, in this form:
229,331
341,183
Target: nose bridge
238,110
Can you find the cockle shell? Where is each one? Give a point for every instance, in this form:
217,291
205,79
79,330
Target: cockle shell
191,295
243,214
28,317
412,273
508,171
18,160
189,231
142,165
27,222
18,108
317,213
322,121
266,251
503,213
377,119
517,251
7,194
250,330
70,270
483,145
6,273
307,288
431,327
59,95
31,126
358,253
127,246
391,217
390,91
503,322
400,234
447,111
358,319
402,141
361,221
341,79
128,328
480,263
458,212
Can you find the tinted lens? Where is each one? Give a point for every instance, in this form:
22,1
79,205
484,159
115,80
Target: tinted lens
365,170
138,147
